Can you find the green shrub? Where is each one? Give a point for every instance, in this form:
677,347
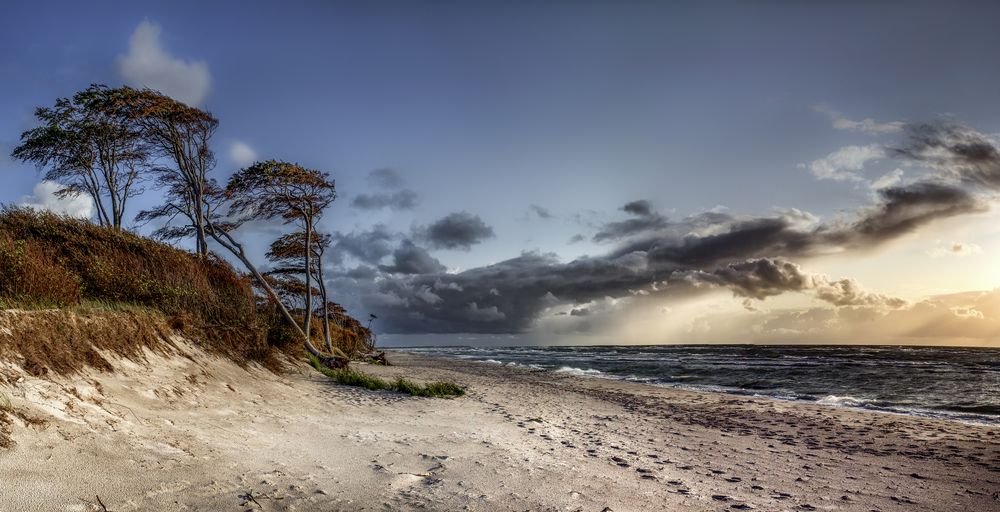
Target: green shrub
352,377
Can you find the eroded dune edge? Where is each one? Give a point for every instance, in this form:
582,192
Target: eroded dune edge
186,430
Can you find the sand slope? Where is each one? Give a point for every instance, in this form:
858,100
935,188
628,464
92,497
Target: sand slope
198,433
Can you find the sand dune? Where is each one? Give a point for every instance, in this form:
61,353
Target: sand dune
199,433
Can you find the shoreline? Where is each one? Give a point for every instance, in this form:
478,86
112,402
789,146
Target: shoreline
990,421
897,451
832,399
453,363
194,432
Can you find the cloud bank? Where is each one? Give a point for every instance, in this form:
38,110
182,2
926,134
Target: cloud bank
653,260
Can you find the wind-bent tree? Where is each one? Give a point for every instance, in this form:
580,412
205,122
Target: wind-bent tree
179,134
288,252
278,291
295,194
371,333
91,145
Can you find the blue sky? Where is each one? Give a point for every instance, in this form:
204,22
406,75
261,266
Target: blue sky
575,107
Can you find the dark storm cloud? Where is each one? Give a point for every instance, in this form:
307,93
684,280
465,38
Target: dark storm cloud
366,246
516,290
615,231
653,256
672,258
392,192
459,230
902,209
411,259
362,272
731,238
955,150
666,259
764,277
641,208
712,238
755,279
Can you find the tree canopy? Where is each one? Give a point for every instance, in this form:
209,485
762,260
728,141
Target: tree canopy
90,144
104,141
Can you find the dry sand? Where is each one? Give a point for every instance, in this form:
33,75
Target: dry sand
198,433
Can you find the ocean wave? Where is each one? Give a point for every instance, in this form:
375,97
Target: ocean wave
510,363
582,372
846,401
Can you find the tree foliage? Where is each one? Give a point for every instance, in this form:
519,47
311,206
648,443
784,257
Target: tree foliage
179,135
90,144
272,189
103,142
288,252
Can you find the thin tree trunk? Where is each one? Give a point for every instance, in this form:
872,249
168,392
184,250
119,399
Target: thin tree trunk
202,214
323,296
308,271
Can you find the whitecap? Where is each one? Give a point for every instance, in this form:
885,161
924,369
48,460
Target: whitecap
579,371
848,401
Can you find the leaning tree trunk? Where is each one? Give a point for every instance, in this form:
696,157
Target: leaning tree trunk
336,359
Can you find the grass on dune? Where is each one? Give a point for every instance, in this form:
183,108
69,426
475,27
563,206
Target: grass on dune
52,262
90,288
352,377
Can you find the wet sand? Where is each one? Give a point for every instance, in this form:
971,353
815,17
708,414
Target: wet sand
198,433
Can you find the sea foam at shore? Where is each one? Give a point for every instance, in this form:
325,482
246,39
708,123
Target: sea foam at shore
947,382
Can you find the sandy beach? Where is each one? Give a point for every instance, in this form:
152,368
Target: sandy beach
194,432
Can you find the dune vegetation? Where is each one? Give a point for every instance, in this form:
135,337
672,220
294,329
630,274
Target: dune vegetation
353,377
111,144
66,271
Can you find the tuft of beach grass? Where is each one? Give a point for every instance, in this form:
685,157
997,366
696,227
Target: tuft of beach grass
352,377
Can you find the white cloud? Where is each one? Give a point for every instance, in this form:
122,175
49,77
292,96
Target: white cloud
44,197
846,163
888,179
954,249
147,64
241,153
866,125
967,312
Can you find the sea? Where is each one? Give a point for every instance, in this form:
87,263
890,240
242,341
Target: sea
961,384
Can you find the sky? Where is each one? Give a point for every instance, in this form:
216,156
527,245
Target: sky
573,172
